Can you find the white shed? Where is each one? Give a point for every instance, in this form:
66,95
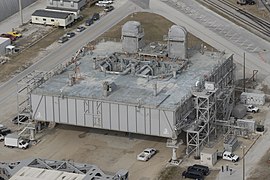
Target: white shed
252,98
209,156
53,18
4,42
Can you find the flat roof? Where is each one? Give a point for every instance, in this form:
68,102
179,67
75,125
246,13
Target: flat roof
61,9
31,173
51,14
130,89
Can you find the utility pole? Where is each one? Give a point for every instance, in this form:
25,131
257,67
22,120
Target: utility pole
244,72
243,152
20,9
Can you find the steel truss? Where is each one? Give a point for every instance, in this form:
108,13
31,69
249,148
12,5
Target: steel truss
212,105
91,171
198,135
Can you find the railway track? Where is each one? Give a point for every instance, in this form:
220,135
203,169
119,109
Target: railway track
250,21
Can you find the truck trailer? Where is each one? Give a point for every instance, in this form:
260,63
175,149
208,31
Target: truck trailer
14,140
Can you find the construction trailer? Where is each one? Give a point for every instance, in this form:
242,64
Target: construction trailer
53,18
144,92
252,98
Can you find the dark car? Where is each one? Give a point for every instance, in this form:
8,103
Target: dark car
95,16
20,118
70,34
89,22
197,167
5,131
246,2
80,29
192,174
108,8
12,38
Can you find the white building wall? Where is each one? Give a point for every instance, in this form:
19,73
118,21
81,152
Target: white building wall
64,4
105,115
4,42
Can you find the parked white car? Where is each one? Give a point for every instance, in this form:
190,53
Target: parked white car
105,2
146,154
251,108
230,156
101,4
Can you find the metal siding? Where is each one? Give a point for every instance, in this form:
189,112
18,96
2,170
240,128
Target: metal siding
147,121
10,7
49,108
56,109
80,112
131,119
166,123
106,115
155,122
123,117
71,111
88,105
63,110
36,101
40,114
140,120
114,117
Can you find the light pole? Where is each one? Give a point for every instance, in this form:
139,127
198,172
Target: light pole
20,9
243,153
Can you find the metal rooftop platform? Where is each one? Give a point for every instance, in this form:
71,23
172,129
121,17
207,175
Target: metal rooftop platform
129,88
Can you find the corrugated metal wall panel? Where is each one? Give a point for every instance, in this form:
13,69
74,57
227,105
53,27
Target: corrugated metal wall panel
80,113
140,120
123,117
104,115
10,7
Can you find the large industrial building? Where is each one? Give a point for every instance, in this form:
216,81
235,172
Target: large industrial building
153,89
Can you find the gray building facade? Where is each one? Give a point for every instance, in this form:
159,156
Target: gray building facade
66,4
10,7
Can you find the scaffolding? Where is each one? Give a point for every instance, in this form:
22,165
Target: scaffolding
198,133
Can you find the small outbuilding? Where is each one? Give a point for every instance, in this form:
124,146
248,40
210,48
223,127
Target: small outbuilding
209,156
4,42
53,18
253,98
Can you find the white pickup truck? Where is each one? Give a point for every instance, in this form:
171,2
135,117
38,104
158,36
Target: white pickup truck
251,108
146,154
230,156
